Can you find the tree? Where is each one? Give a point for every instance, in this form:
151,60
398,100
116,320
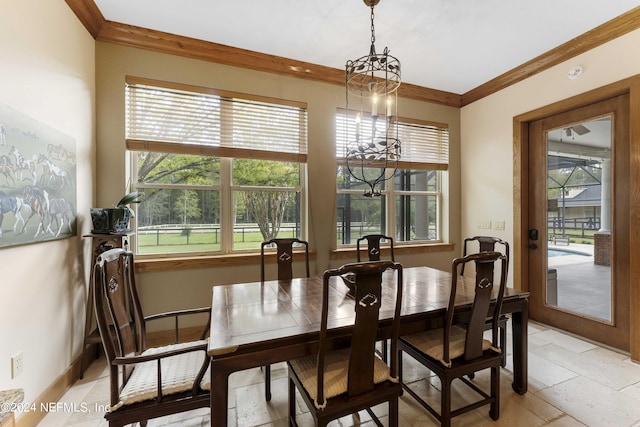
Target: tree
266,207
187,206
163,168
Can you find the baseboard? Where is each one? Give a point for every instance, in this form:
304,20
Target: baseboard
55,391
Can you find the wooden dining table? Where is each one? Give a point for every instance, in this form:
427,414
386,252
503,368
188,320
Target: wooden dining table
260,323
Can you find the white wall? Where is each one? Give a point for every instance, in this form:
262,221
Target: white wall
46,72
487,128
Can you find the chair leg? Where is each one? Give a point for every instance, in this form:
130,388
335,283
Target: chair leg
393,412
267,383
292,403
399,367
445,403
503,344
494,411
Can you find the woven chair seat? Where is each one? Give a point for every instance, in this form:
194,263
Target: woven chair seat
430,343
335,374
178,375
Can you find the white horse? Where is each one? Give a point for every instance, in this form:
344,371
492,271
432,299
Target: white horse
15,205
52,174
39,202
22,164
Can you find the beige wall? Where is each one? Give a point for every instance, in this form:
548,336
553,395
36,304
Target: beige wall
46,72
114,62
487,128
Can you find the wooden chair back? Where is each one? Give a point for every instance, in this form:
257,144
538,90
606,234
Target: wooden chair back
284,256
373,246
368,294
485,244
114,307
481,311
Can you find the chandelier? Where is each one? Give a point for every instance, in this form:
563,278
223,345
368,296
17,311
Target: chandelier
372,144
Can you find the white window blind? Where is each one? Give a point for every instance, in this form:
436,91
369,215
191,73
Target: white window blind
424,145
187,119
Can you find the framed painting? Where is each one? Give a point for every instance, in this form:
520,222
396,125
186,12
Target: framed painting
37,181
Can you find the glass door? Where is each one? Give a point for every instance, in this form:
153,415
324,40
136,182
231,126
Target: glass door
578,220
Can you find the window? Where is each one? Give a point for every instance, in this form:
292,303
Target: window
221,172
410,205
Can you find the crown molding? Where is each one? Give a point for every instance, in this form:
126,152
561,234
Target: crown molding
604,33
143,38
88,14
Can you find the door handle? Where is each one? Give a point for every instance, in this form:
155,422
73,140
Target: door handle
533,246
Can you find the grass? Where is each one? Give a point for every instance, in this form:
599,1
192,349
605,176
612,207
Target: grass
197,242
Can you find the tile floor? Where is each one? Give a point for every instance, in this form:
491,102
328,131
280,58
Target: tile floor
571,383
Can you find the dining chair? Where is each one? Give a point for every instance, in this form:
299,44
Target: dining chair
484,244
145,382
284,259
374,253
452,352
284,256
373,246
342,380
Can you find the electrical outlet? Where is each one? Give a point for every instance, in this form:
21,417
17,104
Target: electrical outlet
16,365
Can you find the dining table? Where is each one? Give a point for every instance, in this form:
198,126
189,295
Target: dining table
260,323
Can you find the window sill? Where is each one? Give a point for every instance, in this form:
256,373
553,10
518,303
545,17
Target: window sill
146,265
350,252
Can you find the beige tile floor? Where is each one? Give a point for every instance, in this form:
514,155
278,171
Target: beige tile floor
571,383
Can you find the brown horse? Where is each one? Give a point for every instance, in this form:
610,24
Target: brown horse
61,211
6,169
38,200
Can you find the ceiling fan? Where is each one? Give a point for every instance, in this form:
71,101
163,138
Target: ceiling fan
579,129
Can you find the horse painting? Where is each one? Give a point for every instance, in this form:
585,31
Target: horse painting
38,166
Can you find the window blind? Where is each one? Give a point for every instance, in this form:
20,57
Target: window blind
171,119
424,145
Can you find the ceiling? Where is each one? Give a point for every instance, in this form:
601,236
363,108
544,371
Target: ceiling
448,45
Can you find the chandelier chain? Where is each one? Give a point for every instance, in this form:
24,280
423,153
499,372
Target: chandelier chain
373,29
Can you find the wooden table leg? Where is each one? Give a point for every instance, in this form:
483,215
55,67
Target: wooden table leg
219,395
519,323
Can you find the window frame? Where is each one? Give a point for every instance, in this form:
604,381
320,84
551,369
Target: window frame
429,161
226,155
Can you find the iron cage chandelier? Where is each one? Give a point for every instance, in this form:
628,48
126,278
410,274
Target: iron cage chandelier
372,146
